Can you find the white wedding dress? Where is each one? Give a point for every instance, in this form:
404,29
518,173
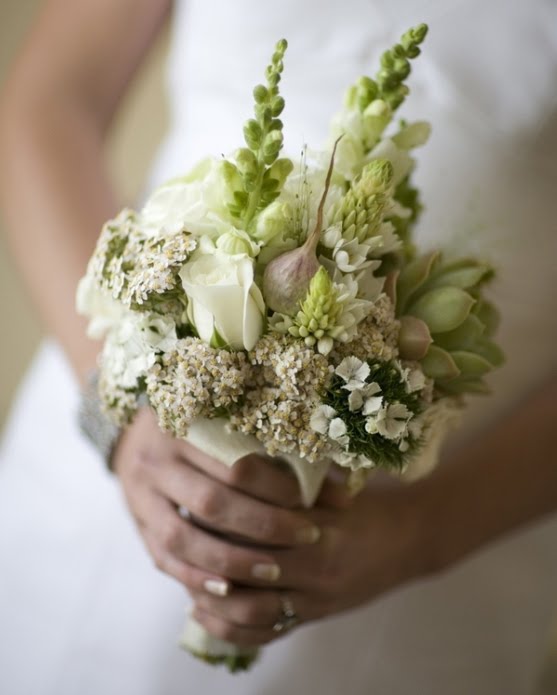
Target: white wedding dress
82,609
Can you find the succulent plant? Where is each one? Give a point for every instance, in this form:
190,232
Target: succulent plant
446,323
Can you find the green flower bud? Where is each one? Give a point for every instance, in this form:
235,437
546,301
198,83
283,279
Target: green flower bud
246,162
272,143
277,106
260,93
253,134
236,241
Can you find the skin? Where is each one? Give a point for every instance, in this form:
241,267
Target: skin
58,103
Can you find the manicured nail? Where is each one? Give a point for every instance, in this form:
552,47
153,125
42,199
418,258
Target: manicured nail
268,572
217,587
308,534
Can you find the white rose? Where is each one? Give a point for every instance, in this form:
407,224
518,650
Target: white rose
224,298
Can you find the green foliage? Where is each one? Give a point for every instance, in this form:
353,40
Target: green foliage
257,176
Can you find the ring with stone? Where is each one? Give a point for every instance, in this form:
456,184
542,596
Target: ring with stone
288,617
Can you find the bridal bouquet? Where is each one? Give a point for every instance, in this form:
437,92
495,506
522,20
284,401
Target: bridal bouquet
264,304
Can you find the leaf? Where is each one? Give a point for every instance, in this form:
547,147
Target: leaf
443,309
390,285
414,338
470,364
412,277
488,315
463,337
491,352
459,386
465,278
439,365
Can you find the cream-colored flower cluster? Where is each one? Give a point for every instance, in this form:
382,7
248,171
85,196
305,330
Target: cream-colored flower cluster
286,382
194,380
134,267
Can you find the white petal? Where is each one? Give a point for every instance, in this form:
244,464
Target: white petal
321,417
371,425
348,368
337,428
373,405
355,400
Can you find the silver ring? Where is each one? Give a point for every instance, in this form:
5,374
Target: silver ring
288,617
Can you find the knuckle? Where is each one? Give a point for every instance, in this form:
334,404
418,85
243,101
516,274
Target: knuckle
241,473
221,562
158,559
250,613
172,534
268,527
208,504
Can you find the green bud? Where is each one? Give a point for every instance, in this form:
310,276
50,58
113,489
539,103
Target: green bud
282,45
281,169
272,143
253,134
246,161
260,93
277,106
231,174
235,242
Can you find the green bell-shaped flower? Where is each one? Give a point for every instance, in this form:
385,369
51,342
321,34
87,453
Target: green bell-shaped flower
446,324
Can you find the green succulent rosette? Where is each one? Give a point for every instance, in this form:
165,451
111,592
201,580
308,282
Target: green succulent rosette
446,322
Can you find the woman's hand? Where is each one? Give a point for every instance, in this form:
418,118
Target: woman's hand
251,502
369,545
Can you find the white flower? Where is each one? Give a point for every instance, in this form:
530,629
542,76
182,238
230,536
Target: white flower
132,346
414,379
324,421
353,372
349,255
390,422
224,298
337,431
321,418
372,402
366,398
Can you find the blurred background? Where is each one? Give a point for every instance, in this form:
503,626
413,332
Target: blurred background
134,138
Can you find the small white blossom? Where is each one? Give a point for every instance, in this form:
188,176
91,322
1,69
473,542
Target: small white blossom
391,421
373,402
321,418
354,372
337,431
414,379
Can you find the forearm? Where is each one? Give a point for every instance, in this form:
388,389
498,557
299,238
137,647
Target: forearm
55,196
500,482
57,105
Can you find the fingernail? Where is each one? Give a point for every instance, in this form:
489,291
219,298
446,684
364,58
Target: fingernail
218,587
308,534
268,572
